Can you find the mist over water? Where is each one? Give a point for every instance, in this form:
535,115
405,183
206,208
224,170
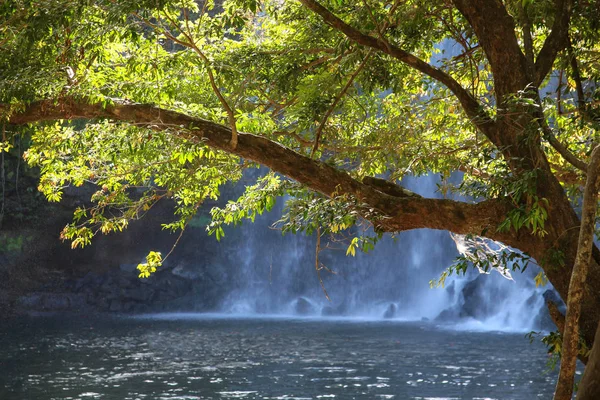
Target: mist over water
271,274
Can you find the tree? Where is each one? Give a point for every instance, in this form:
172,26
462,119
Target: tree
178,97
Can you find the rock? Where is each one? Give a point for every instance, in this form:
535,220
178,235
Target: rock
551,295
55,302
139,308
218,275
544,321
130,269
451,289
476,296
109,284
390,312
187,272
41,301
171,285
115,306
124,282
31,301
77,302
303,307
340,309
91,279
103,304
447,315
139,294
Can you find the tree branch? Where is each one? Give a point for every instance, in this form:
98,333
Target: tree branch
585,244
470,105
560,148
556,41
589,386
495,30
577,79
394,212
527,39
191,44
336,101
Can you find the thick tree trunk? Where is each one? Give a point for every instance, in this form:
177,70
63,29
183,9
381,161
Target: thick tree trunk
570,347
558,251
589,387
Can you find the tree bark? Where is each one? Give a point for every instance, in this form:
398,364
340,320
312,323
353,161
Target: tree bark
391,211
589,387
395,208
570,347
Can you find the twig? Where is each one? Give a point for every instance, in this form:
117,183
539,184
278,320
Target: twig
307,143
558,92
318,264
527,40
560,148
213,84
192,45
577,78
336,101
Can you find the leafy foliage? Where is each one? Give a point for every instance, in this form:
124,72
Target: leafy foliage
277,70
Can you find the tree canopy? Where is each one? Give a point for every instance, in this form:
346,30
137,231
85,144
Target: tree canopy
340,99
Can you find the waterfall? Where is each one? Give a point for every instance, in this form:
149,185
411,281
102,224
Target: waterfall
267,273
270,274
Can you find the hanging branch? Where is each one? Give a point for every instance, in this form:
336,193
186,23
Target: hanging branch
336,101
554,142
585,244
3,176
527,39
577,78
470,105
556,40
560,148
558,92
19,156
318,265
191,44
213,84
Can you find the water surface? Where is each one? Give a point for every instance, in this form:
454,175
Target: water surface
203,357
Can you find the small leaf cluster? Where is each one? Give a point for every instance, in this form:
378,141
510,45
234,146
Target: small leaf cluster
153,261
485,256
256,199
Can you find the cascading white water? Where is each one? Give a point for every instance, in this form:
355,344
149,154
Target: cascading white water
274,274
271,274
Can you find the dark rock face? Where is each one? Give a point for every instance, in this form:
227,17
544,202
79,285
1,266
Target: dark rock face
390,312
52,302
122,291
303,307
551,295
545,320
188,272
332,311
447,315
479,299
